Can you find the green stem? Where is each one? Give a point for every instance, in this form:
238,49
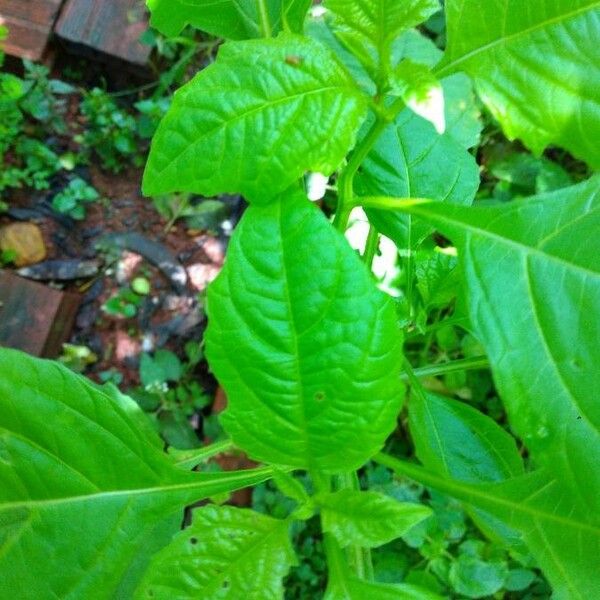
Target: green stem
265,23
409,269
336,560
389,203
415,384
371,247
358,557
458,321
346,181
191,458
463,364
183,204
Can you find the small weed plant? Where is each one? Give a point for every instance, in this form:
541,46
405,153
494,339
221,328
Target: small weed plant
315,358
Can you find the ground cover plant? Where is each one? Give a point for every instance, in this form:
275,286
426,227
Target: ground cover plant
315,358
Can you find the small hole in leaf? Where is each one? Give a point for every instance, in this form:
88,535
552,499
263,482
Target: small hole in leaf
193,541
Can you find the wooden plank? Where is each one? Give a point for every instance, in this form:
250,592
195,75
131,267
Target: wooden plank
109,26
33,317
29,24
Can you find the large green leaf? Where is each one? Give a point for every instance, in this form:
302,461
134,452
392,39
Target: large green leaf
564,538
230,19
246,124
305,345
369,27
455,439
411,160
532,271
225,554
85,497
458,441
367,519
535,64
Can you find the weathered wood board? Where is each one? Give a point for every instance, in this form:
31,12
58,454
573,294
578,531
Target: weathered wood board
33,317
112,27
30,24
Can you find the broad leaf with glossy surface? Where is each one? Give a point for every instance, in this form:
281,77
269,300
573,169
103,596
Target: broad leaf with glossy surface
305,345
532,273
85,496
226,553
230,19
367,519
535,65
455,439
246,123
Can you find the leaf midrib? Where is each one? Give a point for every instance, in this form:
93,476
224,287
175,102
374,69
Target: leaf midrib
460,490
451,66
500,239
138,492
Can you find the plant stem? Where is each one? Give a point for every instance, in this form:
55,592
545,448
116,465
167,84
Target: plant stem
463,364
409,269
451,321
371,247
346,180
191,458
336,560
183,204
358,557
265,23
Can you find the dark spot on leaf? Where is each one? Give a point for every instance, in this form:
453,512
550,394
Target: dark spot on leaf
225,585
294,61
193,541
320,396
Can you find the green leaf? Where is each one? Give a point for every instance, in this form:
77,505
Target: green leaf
305,345
367,519
532,272
410,160
563,537
476,578
438,278
368,28
535,66
357,589
226,553
230,19
421,92
80,477
454,439
457,441
260,99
